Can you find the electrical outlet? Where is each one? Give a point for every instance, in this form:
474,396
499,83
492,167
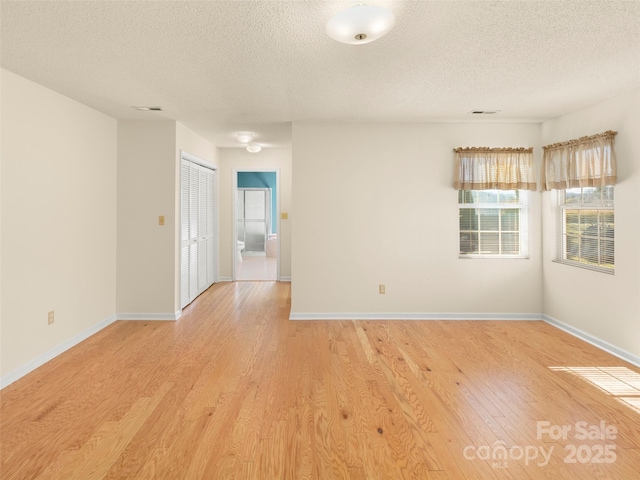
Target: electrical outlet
50,318
381,289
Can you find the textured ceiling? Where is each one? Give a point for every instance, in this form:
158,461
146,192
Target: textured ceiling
223,66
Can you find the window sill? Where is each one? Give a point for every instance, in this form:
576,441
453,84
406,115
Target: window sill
493,257
586,266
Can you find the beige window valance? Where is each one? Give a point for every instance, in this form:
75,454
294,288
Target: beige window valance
583,162
494,169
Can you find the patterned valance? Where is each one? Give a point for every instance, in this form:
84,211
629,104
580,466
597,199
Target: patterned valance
482,168
583,162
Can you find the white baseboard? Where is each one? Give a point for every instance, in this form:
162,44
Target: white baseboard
229,279
415,316
595,341
28,367
149,316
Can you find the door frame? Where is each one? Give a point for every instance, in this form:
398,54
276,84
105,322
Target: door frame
234,217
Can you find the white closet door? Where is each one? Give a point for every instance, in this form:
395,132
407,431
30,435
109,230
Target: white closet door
184,233
197,230
211,226
202,230
194,202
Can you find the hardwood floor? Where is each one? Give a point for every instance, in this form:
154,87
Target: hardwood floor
235,390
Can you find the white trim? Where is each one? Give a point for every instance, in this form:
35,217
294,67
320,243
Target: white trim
284,279
225,279
149,316
415,316
40,360
595,341
193,159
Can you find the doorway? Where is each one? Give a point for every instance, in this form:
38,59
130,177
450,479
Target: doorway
256,205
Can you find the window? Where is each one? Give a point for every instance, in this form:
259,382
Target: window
493,223
587,228
584,173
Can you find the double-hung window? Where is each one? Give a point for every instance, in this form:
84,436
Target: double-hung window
587,228
583,171
492,186
493,223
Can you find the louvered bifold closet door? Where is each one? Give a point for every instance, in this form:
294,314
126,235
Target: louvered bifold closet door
194,202
211,226
184,233
202,229
197,230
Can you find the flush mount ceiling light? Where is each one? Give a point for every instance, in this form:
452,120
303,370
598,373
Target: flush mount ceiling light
360,24
244,137
253,148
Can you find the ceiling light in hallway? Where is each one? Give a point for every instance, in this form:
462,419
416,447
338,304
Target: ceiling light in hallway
360,24
244,137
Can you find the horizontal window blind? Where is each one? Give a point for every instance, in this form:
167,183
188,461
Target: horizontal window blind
586,228
493,223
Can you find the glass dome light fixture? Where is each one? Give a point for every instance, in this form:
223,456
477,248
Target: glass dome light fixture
244,137
253,148
360,24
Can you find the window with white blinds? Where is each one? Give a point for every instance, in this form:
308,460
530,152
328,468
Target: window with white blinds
586,225
584,172
493,223
197,230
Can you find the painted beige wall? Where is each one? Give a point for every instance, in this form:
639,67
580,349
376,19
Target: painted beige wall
58,219
146,190
605,306
188,141
149,186
375,204
239,158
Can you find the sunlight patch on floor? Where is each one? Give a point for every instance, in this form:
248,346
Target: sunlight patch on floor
619,382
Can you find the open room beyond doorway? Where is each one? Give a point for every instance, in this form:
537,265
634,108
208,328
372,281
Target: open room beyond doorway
256,213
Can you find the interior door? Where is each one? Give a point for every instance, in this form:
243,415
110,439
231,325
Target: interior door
255,220
185,171
197,230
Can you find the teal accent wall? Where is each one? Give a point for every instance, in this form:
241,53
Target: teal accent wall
262,180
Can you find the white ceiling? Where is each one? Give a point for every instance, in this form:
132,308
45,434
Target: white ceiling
223,66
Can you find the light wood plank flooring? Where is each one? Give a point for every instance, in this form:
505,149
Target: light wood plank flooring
236,390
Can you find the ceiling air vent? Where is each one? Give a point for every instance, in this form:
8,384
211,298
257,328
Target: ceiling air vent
148,109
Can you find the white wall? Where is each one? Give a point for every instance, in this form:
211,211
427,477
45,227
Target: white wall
375,205
146,190
605,306
239,158
58,219
148,278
